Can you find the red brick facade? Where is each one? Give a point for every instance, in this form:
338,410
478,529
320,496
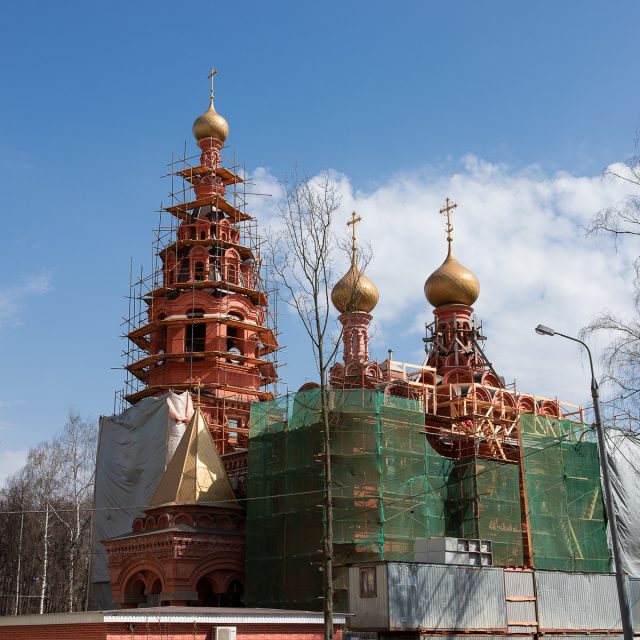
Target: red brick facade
155,626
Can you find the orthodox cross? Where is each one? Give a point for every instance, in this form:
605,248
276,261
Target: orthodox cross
449,206
199,386
355,218
210,76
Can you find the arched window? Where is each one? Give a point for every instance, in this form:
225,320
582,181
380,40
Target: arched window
234,596
183,272
207,597
195,335
170,270
235,339
214,269
161,339
232,430
231,274
199,272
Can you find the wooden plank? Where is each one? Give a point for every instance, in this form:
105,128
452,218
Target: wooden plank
228,177
181,210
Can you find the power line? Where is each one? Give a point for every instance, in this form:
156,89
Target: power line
295,493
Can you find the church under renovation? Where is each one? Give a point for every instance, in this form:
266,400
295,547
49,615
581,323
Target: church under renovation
462,506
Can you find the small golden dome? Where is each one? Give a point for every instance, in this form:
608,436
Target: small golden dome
210,125
451,283
354,292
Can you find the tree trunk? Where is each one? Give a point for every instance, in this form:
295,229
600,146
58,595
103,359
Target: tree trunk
328,504
45,560
16,608
71,558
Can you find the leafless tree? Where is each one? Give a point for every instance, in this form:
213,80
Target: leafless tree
45,510
302,252
78,447
621,357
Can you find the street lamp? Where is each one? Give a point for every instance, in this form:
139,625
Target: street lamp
604,465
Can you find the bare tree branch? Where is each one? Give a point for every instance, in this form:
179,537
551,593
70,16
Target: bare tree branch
302,257
621,356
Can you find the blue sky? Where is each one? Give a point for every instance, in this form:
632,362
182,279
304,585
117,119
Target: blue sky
97,96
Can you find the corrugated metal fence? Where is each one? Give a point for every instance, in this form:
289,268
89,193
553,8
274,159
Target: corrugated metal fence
446,598
577,601
423,596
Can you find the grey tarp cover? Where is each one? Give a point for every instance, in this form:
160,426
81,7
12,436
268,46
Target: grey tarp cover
624,460
134,449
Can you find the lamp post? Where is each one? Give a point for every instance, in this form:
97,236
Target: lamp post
610,508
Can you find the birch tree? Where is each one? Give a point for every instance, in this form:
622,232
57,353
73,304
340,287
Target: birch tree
302,254
46,513
621,356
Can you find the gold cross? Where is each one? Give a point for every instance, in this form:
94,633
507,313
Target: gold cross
355,218
449,206
199,386
210,76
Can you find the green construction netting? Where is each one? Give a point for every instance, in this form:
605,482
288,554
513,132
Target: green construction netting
566,509
484,502
390,487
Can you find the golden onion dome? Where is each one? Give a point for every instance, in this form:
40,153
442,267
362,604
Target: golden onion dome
451,283
354,292
210,125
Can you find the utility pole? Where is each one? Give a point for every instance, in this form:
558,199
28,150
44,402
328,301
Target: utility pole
612,517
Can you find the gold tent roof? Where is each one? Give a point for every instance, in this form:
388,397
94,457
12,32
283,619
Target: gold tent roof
195,474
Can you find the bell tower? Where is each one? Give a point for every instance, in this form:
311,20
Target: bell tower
204,318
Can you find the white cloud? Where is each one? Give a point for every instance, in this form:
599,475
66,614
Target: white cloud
14,298
522,233
10,462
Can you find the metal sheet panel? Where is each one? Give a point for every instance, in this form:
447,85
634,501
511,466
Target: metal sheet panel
634,598
465,637
522,630
521,612
586,601
591,636
441,597
518,584
368,613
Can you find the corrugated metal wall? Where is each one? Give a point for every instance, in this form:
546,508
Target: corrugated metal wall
368,613
444,637
423,596
521,613
519,584
521,605
580,601
634,598
591,636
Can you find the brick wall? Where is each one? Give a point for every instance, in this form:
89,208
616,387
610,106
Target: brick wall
158,631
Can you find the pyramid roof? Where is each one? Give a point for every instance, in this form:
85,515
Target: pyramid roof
195,474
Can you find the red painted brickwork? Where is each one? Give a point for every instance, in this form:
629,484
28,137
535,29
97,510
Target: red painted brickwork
95,631
159,631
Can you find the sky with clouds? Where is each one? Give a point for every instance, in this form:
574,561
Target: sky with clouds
522,232
511,109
